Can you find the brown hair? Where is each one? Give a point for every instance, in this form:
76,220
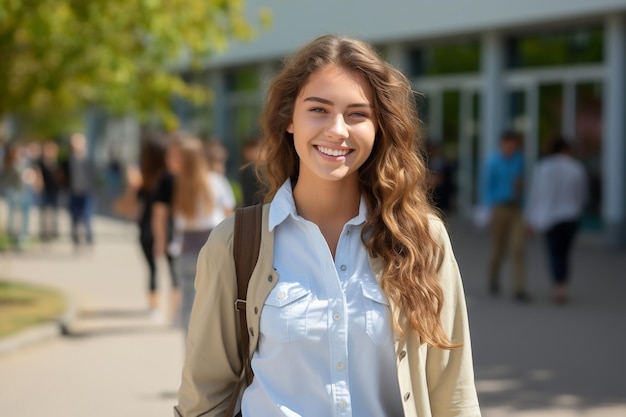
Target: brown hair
192,190
393,180
152,160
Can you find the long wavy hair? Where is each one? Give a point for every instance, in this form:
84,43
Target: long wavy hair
393,180
192,190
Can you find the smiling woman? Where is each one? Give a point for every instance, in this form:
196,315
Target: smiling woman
356,290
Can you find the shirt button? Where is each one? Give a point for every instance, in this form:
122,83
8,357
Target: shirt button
341,366
343,267
407,396
348,232
270,278
281,295
336,316
402,354
343,404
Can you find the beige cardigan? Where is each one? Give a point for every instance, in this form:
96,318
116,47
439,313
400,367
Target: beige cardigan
433,382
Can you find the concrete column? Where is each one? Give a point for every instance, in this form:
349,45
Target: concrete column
266,72
614,147
435,116
568,122
466,161
531,136
218,86
397,56
491,114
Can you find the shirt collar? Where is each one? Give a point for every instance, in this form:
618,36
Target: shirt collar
283,206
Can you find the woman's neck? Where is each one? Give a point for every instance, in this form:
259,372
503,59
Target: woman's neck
328,204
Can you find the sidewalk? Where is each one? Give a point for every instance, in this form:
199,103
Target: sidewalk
116,361
541,359
531,360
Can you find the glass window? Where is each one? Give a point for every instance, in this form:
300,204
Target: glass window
453,58
242,80
551,49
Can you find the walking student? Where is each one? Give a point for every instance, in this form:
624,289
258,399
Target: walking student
503,187
137,203
200,200
356,306
80,176
556,203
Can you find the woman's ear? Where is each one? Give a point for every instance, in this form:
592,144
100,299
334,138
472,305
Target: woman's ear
290,128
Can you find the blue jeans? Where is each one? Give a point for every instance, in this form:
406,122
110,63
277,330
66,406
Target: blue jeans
81,211
19,202
559,241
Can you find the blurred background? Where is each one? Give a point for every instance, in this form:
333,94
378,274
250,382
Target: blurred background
117,72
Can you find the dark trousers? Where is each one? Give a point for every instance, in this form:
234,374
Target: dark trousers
48,208
559,240
81,211
147,247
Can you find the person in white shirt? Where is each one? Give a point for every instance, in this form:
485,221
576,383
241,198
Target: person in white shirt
200,201
556,203
355,307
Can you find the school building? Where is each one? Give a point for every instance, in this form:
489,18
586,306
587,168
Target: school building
543,67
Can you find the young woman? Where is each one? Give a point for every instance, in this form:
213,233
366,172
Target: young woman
137,203
356,306
200,200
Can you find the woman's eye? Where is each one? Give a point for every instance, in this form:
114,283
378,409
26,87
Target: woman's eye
317,110
359,114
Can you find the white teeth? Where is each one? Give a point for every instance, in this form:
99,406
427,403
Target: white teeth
333,152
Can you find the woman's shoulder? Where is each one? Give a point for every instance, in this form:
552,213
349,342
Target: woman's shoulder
222,234
437,227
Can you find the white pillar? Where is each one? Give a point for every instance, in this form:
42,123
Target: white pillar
491,114
531,134
614,148
435,116
218,86
397,56
568,122
466,160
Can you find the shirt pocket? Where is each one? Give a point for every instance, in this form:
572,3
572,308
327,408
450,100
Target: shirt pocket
377,320
283,318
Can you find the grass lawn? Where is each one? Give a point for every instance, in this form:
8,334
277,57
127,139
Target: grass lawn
24,305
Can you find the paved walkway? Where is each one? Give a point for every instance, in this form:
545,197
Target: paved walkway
535,360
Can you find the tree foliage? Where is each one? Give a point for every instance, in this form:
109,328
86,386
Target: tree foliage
57,56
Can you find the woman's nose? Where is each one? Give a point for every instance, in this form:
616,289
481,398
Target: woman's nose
337,129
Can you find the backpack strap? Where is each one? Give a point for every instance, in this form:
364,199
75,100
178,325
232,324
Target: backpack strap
246,246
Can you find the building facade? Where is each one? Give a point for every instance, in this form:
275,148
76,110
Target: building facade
543,67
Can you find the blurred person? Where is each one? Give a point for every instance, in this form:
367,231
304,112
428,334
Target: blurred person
137,203
556,203
251,185
356,304
16,182
80,178
503,195
216,155
200,200
49,175
441,180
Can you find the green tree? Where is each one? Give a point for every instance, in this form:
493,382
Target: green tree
60,56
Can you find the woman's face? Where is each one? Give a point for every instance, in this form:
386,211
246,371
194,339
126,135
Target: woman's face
173,159
333,125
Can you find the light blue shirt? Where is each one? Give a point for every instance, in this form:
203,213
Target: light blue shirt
326,345
501,177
